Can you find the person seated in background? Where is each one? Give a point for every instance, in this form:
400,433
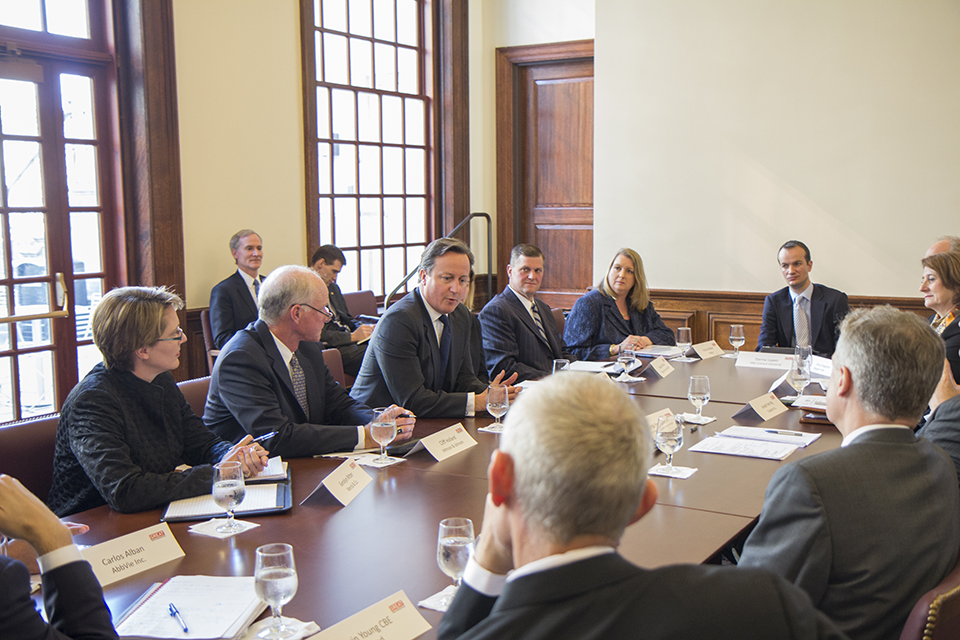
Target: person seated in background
72,596
520,334
943,243
344,332
419,355
271,377
940,287
233,301
801,314
617,315
569,476
126,427
476,335
868,528
942,426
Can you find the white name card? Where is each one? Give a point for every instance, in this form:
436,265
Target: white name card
346,481
393,618
708,349
130,554
821,367
760,409
653,418
761,360
448,442
661,367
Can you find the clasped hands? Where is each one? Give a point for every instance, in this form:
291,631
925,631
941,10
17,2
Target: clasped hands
251,456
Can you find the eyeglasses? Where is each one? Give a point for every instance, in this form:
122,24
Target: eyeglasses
325,311
177,337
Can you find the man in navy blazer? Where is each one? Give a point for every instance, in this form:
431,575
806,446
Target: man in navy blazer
822,306
868,528
344,333
233,302
520,334
569,476
253,386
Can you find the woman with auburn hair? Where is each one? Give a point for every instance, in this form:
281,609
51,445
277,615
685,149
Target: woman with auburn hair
940,287
617,314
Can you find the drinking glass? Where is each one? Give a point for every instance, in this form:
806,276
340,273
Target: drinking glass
736,339
275,580
799,375
684,341
698,393
560,365
497,401
669,437
626,358
383,430
454,548
228,492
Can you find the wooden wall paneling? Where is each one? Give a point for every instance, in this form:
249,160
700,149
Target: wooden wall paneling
195,364
719,329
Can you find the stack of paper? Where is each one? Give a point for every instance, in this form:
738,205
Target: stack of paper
258,498
756,442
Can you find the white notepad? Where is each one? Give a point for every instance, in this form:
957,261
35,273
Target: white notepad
258,497
746,448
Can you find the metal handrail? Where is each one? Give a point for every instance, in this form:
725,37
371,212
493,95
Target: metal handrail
477,214
62,312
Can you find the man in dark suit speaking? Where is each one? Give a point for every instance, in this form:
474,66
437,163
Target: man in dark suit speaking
233,302
801,314
569,476
519,332
868,528
271,377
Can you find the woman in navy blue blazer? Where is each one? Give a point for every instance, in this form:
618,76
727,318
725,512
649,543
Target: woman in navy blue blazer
617,314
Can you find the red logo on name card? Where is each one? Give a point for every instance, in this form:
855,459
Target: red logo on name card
396,606
459,429
157,535
353,465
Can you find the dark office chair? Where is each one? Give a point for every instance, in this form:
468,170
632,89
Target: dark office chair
331,358
937,615
361,303
195,392
560,318
212,351
28,447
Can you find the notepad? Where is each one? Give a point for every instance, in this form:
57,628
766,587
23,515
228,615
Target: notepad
276,469
263,497
746,448
783,436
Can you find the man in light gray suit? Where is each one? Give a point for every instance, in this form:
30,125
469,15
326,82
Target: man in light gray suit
868,528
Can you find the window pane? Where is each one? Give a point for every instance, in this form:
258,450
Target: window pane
6,390
392,119
76,99
345,169
88,356
323,113
36,384
383,20
369,221
318,49
345,220
368,117
3,258
416,171
343,110
407,71
361,63
369,169
413,112
82,175
407,22
4,328
392,170
326,221
347,280
19,114
86,296
317,13
416,220
85,241
23,14
335,58
32,333
385,72
393,268
21,168
360,23
393,221
28,237
334,14
68,18
370,277
413,256
323,167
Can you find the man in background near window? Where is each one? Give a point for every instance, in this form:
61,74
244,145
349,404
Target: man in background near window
344,332
233,302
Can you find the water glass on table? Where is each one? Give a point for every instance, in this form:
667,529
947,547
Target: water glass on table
383,430
275,580
228,492
698,393
626,359
736,340
684,342
560,365
669,438
454,548
799,374
498,401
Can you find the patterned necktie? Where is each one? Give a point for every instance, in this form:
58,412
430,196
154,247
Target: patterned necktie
299,385
539,321
801,325
256,289
444,351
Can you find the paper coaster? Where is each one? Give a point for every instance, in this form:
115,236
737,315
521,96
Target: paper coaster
692,419
492,428
209,528
373,460
435,601
304,629
681,473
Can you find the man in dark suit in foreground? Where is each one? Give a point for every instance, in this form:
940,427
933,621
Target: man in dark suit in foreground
419,355
569,476
868,528
344,332
520,334
233,302
942,425
72,596
801,314
271,377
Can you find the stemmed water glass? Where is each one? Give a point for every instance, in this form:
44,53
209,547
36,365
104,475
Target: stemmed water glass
698,393
497,402
669,438
799,374
383,430
228,492
736,340
454,548
684,342
560,365
626,358
275,580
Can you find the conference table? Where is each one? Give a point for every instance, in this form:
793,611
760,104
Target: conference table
384,541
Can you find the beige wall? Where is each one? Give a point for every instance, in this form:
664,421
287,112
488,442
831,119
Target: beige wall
726,128
241,133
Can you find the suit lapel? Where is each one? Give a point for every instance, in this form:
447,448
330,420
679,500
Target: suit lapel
786,317
430,337
553,337
817,307
245,295
614,317
521,310
279,366
311,378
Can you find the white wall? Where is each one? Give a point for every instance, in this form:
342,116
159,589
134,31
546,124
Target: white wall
241,134
724,128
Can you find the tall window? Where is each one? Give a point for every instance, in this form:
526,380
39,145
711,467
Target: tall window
369,163
56,195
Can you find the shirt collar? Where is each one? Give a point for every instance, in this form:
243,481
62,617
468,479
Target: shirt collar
285,353
559,560
527,302
853,435
806,293
247,279
434,314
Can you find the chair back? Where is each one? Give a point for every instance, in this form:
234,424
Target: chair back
559,317
361,303
195,392
937,615
334,362
212,351
28,447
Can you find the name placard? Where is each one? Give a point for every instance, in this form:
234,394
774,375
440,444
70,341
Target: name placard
130,554
821,367
661,367
708,349
760,409
761,360
346,481
393,618
654,417
448,442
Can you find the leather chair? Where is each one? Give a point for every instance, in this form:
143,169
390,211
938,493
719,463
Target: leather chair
212,351
560,318
361,303
195,392
28,447
334,362
937,615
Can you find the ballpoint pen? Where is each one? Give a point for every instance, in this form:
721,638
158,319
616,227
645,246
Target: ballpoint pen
784,433
264,437
176,614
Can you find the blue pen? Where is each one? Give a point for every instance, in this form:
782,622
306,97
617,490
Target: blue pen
264,437
176,614
784,433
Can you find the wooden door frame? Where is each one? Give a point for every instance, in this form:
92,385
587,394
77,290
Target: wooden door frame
509,141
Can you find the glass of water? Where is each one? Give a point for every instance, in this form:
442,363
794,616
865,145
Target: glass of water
669,437
560,365
228,492
799,375
454,548
684,342
383,430
698,393
626,358
736,340
275,580
497,401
